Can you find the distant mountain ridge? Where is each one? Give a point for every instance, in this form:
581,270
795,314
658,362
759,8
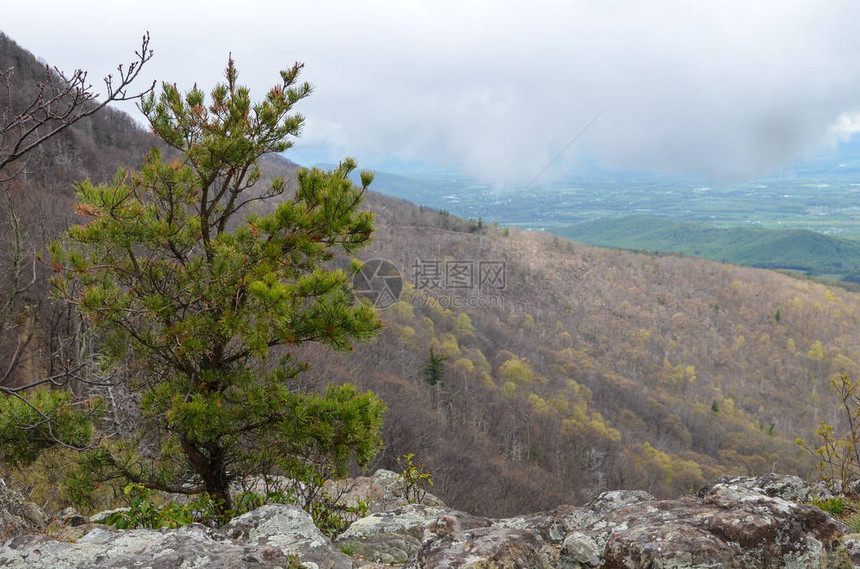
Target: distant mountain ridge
812,253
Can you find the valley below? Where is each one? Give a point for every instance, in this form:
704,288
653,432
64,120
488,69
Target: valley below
819,195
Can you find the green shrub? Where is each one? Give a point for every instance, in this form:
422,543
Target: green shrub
854,523
332,517
838,452
413,480
835,506
144,513
329,514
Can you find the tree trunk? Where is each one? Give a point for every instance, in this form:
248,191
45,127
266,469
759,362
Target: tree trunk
209,464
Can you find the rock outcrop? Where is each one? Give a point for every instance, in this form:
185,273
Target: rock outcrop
17,515
266,537
382,491
737,522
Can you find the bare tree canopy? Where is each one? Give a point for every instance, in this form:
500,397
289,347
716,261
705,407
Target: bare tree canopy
35,106
58,102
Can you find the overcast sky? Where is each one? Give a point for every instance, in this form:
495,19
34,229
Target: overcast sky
497,89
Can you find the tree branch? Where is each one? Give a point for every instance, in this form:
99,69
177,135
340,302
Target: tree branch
62,101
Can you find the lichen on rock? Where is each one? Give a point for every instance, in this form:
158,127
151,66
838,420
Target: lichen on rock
735,523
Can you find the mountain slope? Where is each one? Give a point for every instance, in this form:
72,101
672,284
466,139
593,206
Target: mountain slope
796,249
571,369
604,368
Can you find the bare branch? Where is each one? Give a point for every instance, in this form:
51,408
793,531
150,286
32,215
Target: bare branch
29,117
60,102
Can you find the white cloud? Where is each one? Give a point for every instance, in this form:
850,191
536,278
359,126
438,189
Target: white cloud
728,88
846,126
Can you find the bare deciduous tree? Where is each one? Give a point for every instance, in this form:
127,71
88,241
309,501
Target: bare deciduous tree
59,101
31,113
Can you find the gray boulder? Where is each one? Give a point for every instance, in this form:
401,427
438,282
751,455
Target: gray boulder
782,486
289,529
407,520
447,543
191,547
18,516
390,537
729,526
266,537
382,548
381,491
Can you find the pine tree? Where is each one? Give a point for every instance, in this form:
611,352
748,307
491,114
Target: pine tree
203,306
434,368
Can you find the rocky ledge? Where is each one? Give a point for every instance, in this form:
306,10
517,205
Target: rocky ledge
737,522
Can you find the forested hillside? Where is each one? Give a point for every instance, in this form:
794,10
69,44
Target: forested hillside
570,369
37,201
812,253
603,368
